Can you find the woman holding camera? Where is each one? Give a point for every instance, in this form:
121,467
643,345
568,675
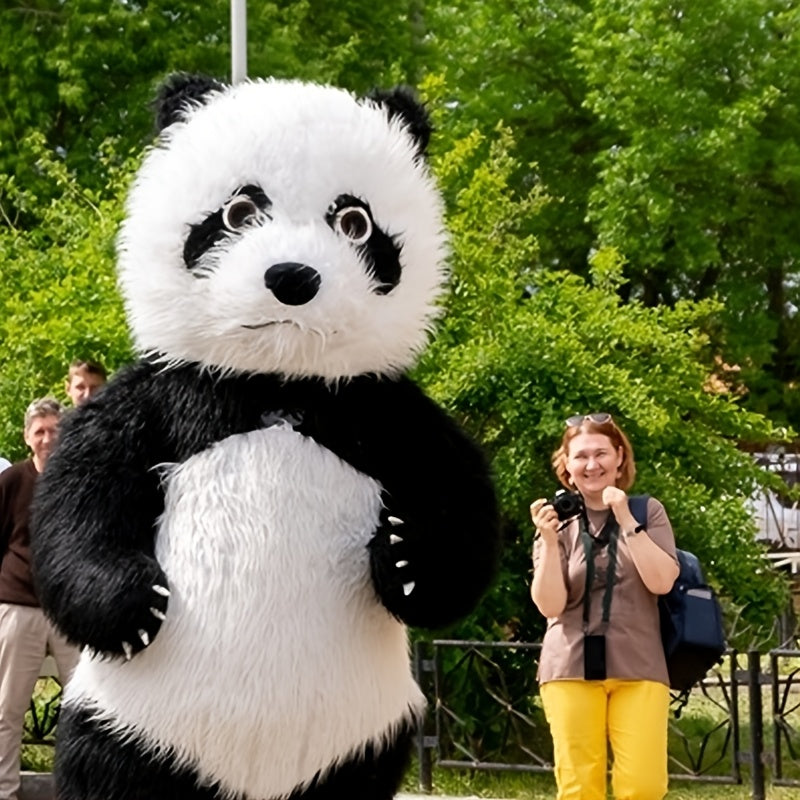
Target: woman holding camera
597,576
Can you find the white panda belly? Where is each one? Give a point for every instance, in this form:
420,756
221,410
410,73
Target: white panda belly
276,659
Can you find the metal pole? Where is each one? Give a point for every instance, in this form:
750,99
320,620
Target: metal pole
756,725
238,41
423,752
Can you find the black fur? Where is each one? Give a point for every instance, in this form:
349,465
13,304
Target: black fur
92,764
180,92
204,235
402,102
381,252
98,501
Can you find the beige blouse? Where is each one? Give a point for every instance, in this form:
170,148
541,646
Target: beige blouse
633,638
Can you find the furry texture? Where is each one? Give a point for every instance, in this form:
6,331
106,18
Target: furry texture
106,768
303,146
240,526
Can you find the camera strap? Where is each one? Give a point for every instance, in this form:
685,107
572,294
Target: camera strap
611,530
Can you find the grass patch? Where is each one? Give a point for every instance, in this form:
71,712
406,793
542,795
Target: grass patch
39,757
538,786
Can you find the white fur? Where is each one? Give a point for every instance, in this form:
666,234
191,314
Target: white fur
276,659
304,144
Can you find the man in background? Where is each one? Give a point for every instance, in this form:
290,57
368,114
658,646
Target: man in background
26,636
83,380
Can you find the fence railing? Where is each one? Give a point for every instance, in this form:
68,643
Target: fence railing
485,714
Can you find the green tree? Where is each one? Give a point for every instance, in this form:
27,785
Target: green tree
58,293
523,347
700,186
83,71
665,130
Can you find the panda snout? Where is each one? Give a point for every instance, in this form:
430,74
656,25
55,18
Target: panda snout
292,284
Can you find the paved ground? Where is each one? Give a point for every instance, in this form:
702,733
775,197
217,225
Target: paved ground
40,787
36,787
432,797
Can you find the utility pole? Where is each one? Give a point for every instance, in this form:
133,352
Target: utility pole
238,41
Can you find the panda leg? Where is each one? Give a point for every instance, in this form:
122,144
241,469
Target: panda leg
92,763
370,776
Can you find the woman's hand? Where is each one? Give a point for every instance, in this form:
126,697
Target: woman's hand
657,568
548,589
545,519
615,499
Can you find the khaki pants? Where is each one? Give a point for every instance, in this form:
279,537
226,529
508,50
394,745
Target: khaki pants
26,637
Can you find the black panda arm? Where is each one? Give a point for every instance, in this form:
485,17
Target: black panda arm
93,522
440,509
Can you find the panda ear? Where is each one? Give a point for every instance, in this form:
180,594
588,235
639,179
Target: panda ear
402,102
179,93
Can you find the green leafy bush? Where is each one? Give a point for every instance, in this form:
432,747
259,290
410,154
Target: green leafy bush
58,292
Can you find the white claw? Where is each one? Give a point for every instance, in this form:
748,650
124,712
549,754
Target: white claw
145,637
401,564
394,539
162,590
394,521
158,614
408,588
128,651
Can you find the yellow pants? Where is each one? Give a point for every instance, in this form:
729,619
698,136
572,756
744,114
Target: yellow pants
586,716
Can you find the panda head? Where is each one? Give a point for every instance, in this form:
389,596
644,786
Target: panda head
284,227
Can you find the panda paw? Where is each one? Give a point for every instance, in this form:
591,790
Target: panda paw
392,562
144,635
137,616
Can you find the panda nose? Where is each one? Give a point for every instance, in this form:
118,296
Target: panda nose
293,284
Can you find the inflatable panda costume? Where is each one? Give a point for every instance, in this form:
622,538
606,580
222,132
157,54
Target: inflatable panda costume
240,526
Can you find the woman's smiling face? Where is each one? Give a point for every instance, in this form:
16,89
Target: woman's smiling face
593,463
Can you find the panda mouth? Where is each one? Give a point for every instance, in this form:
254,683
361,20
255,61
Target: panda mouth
301,328
270,323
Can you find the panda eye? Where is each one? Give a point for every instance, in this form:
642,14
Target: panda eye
354,223
238,211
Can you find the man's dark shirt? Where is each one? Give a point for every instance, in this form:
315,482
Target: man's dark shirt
16,495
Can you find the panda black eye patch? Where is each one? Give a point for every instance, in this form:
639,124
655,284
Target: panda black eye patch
242,209
350,217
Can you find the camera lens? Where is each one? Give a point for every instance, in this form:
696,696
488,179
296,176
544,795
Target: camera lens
567,504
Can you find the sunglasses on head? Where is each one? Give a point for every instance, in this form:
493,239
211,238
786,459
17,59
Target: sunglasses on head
598,418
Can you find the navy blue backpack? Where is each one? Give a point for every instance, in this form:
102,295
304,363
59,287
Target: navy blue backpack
691,619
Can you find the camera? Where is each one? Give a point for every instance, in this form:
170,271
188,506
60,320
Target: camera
567,504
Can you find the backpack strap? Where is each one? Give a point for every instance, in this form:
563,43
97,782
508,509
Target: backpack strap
637,503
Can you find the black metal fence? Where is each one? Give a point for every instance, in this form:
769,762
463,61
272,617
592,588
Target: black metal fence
485,714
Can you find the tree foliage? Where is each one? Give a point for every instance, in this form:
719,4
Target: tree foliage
701,185
666,130
523,347
85,71
58,292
